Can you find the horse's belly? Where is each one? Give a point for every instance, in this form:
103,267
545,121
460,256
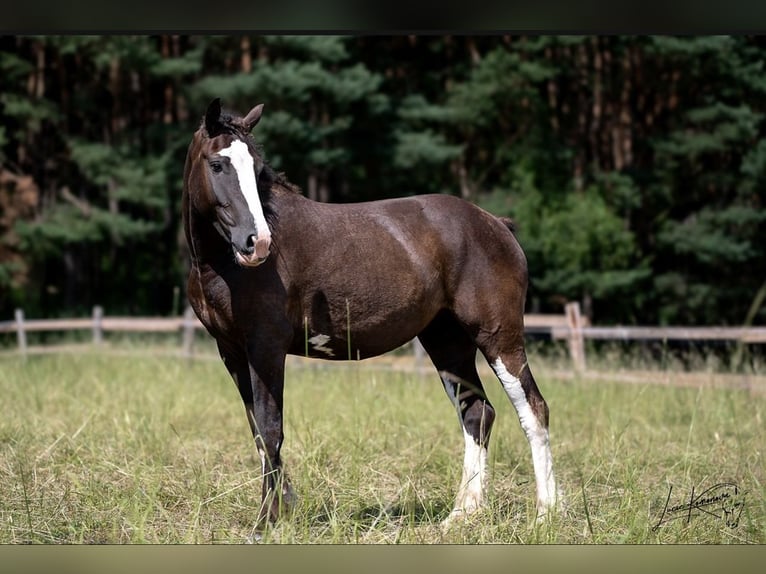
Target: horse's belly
343,348
355,328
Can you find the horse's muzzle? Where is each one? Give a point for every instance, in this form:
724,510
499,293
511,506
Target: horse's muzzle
256,253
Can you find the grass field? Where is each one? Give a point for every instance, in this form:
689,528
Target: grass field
98,449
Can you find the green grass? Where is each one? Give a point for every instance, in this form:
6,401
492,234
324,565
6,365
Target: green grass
156,450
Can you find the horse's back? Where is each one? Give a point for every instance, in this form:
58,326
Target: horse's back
486,277
434,234
475,236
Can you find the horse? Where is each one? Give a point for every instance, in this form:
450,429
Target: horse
274,273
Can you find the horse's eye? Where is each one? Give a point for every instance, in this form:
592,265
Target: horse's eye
216,167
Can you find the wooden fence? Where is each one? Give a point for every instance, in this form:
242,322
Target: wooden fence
98,324
571,326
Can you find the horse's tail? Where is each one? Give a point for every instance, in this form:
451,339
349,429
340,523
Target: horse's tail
509,223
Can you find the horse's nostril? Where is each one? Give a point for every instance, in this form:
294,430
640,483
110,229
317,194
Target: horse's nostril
250,244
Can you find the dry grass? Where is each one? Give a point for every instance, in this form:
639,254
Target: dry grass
155,450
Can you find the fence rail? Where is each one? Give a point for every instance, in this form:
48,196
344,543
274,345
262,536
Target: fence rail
571,326
98,324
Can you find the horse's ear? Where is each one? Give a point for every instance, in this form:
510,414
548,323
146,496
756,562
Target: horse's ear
252,117
213,117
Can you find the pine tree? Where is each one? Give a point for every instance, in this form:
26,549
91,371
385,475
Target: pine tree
635,167
709,181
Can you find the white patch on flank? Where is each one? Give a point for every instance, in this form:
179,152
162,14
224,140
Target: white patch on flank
318,342
537,435
473,484
243,165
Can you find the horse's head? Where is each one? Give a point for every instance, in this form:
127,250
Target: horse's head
221,182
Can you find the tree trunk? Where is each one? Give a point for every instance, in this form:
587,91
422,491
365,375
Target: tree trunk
552,89
582,119
311,187
466,187
247,58
625,136
597,107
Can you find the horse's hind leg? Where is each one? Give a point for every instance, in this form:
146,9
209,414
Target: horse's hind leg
454,356
508,360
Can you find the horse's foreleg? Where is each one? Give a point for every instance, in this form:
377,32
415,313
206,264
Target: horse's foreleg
263,407
236,363
265,416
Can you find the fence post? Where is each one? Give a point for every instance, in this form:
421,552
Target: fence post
98,332
576,339
188,333
21,334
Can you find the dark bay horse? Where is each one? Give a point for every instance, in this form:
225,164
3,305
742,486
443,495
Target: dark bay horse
273,273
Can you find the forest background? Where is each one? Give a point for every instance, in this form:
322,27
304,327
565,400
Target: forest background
634,166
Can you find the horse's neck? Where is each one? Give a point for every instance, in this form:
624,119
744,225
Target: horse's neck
207,247
287,204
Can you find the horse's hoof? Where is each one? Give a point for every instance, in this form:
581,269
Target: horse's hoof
557,507
458,516
289,499
452,518
255,538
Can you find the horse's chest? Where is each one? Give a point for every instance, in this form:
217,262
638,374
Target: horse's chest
211,301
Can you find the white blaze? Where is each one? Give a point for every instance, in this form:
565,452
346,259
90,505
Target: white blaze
243,165
537,435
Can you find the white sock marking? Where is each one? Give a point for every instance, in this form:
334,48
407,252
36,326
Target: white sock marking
319,341
243,165
473,484
537,435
